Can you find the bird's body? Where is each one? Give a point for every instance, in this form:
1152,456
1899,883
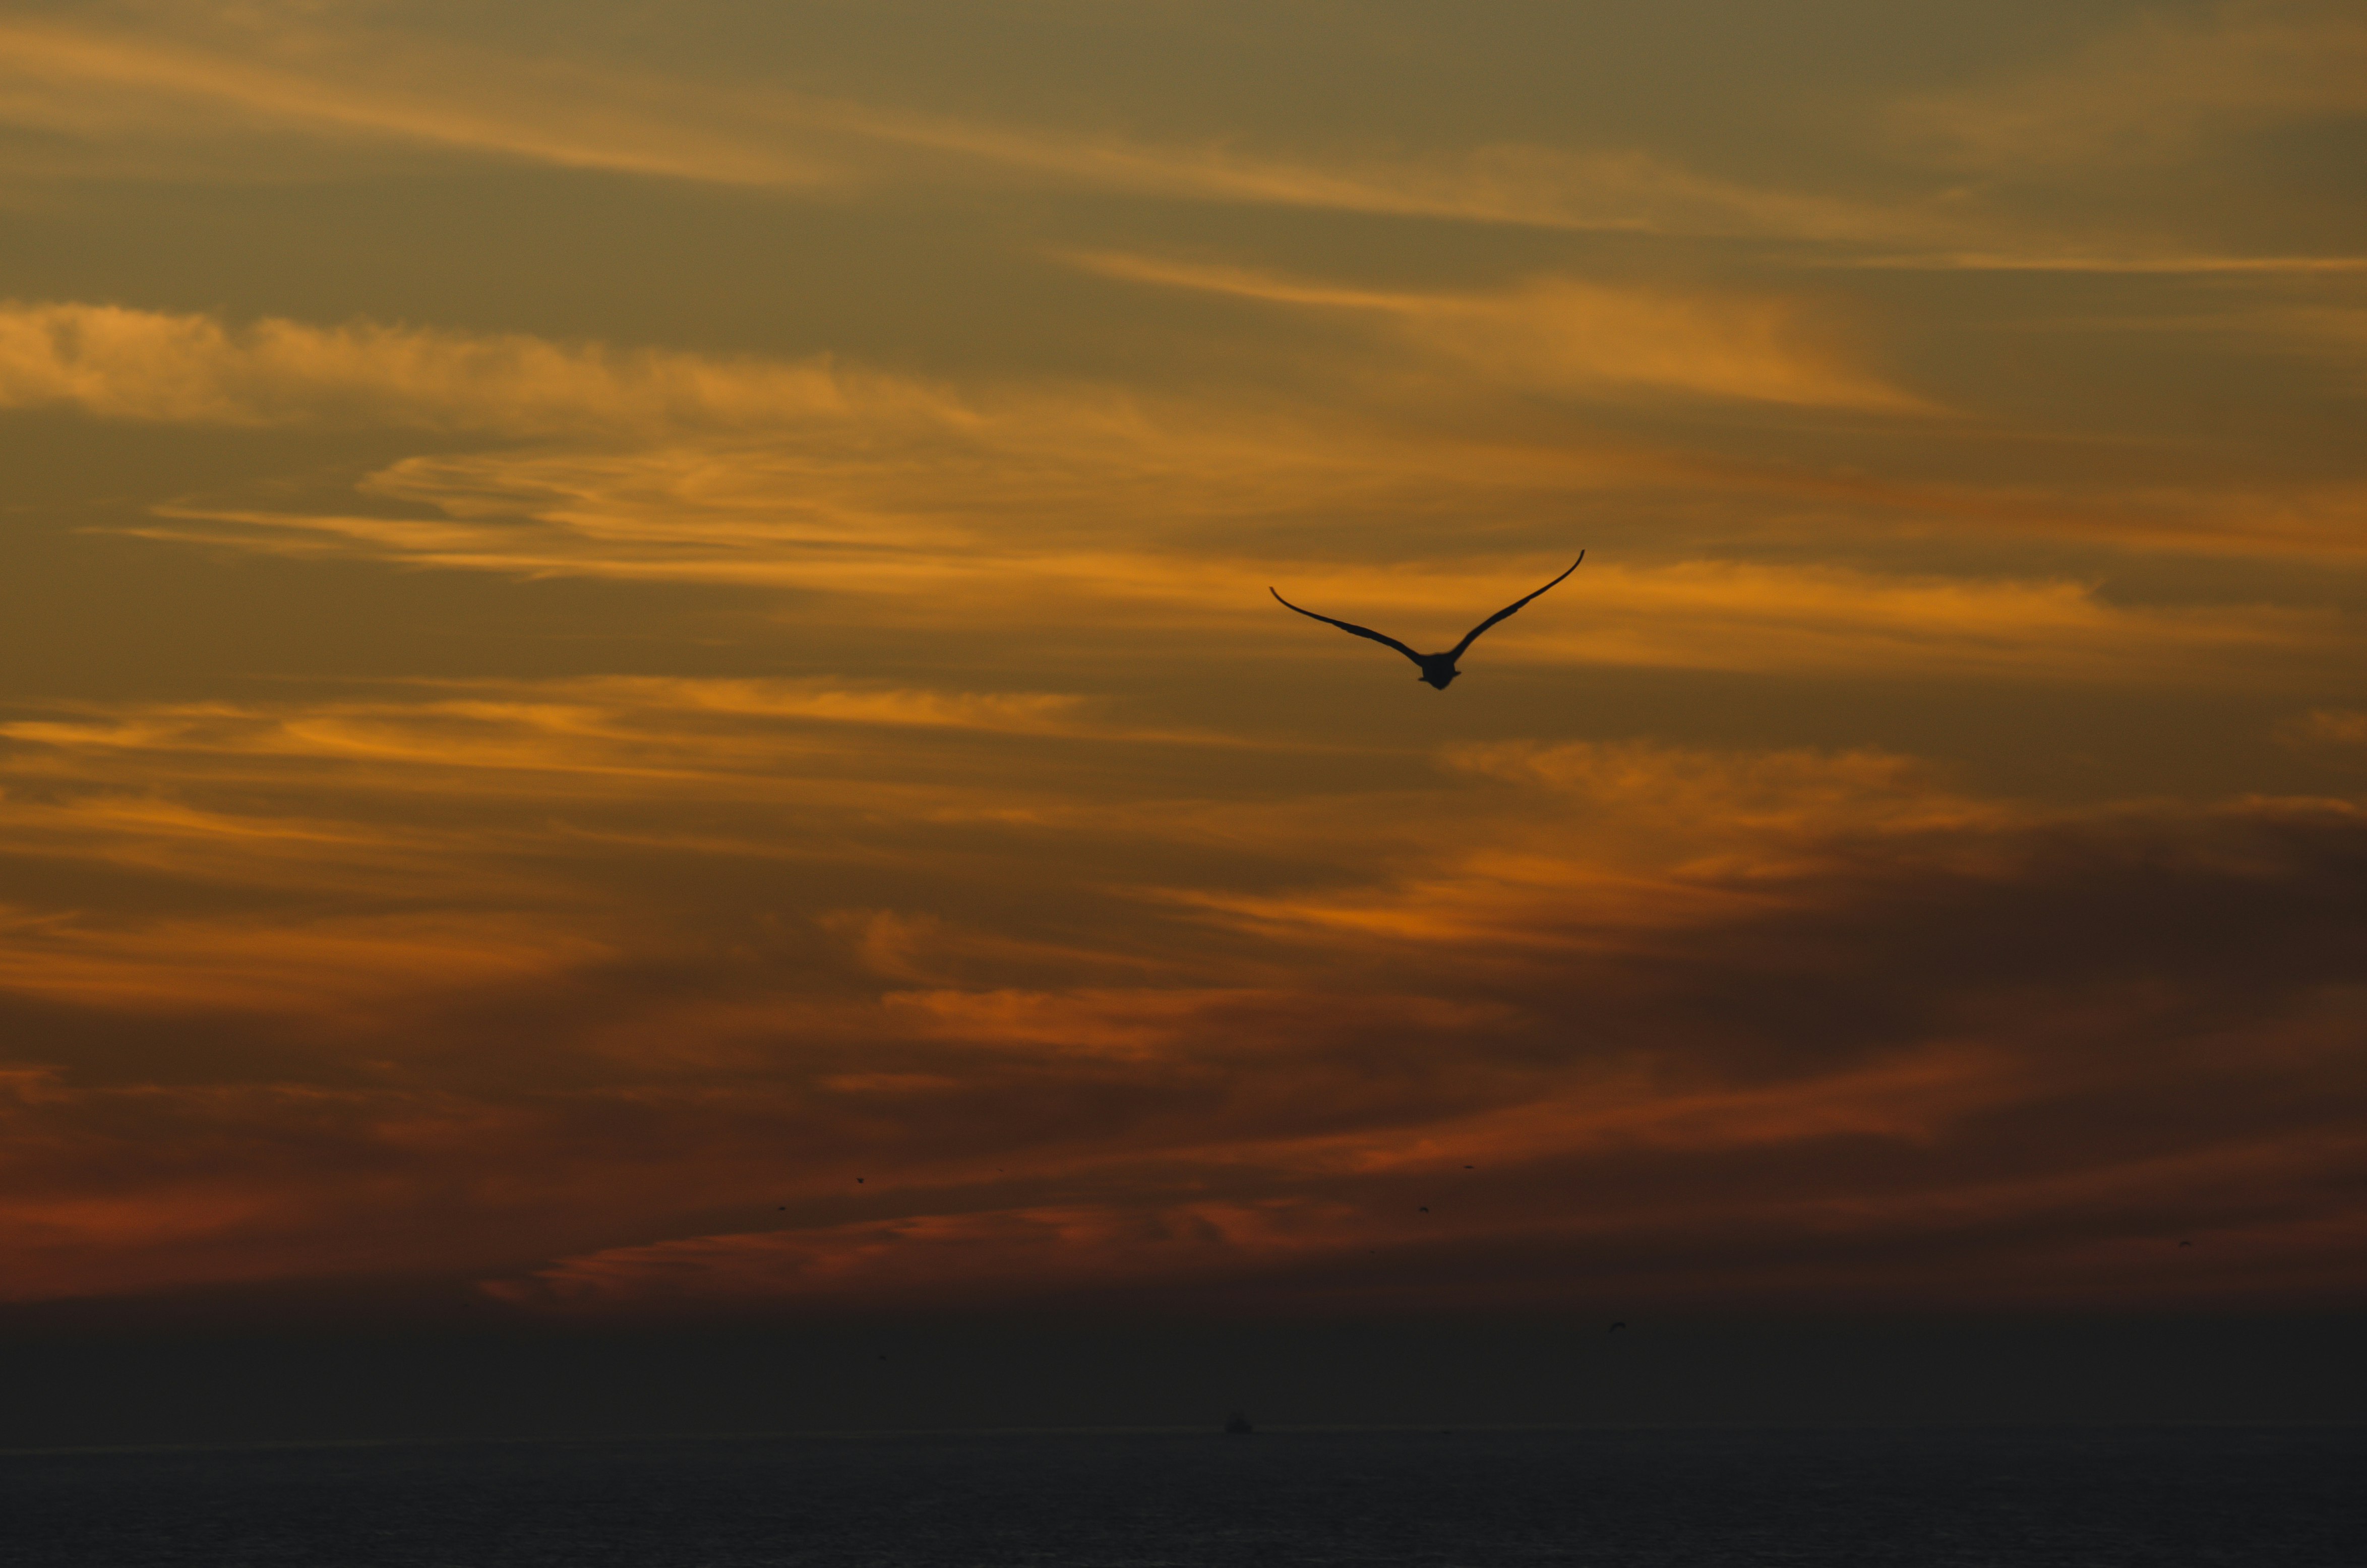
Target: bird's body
1437,669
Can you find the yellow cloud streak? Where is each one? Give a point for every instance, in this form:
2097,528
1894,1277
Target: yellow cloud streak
309,968
1565,333
2134,95
409,88
1647,841
548,114
163,836
127,364
882,492
634,729
2135,265
1686,615
513,801
868,480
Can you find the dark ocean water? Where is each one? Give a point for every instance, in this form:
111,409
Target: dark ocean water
2248,1497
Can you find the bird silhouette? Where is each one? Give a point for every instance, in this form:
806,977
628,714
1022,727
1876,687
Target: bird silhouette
1437,669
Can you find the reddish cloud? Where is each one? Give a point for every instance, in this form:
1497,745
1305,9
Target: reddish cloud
1992,1060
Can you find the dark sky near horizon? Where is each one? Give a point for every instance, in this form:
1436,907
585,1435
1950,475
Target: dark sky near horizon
636,677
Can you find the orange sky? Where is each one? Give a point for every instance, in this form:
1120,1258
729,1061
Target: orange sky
636,674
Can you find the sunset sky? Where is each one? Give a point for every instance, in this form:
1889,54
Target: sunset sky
636,674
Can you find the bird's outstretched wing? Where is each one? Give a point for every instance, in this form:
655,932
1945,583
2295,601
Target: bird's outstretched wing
1365,631
1473,635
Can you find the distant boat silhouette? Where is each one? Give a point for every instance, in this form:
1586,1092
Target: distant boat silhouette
1437,669
1238,1425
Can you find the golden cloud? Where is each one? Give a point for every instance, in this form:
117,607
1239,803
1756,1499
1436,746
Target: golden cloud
127,364
275,966
817,475
1566,334
886,493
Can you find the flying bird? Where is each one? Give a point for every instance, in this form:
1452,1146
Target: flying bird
1437,669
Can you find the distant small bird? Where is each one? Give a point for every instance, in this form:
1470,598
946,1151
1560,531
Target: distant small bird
858,1181
1614,1328
1425,1208
2186,1243
1437,669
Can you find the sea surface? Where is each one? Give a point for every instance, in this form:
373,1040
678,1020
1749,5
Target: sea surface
2244,1497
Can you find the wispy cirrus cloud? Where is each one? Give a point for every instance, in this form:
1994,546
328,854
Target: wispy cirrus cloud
104,82
1567,334
2130,263
1690,615
2148,90
305,968
118,363
137,92
578,738
897,498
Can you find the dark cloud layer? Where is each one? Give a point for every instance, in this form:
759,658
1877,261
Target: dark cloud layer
2011,1065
